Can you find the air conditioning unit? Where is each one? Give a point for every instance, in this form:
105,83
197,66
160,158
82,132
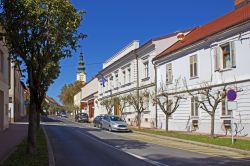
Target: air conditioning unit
227,123
195,123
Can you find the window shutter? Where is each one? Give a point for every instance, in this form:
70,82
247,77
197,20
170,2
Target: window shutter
232,53
191,66
216,59
170,73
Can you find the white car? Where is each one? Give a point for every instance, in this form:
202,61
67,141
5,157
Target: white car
114,123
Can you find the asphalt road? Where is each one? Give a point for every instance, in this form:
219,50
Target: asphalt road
77,144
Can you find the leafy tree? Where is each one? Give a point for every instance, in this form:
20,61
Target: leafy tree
108,104
38,33
68,92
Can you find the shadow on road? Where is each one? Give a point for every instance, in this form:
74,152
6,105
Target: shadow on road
184,161
47,119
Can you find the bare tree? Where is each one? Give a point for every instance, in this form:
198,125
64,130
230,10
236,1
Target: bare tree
108,104
208,99
168,102
137,101
122,101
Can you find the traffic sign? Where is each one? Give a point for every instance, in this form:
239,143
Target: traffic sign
231,95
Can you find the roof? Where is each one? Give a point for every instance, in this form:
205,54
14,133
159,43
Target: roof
149,42
233,18
50,99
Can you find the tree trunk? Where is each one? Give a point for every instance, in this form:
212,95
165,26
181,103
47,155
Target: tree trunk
212,125
139,120
38,120
31,140
167,123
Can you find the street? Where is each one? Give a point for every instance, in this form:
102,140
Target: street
81,144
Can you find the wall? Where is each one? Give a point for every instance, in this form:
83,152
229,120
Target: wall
181,119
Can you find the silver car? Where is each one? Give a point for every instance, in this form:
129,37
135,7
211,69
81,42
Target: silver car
114,123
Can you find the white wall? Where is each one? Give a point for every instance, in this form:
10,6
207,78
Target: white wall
205,54
4,87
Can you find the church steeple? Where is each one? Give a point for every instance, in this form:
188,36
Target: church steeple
81,73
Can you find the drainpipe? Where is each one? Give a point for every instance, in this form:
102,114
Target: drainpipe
156,114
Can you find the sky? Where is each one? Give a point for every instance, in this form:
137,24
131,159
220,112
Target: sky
112,24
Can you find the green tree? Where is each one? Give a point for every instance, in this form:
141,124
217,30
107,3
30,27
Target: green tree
38,33
68,92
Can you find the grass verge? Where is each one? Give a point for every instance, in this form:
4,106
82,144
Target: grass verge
239,143
20,158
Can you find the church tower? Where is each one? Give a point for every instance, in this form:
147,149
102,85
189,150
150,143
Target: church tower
81,74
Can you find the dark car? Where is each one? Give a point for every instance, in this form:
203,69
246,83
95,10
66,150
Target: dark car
82,117
98,121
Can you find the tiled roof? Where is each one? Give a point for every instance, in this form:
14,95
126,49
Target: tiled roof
231,19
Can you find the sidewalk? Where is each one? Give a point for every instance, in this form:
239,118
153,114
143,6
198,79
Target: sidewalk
10,138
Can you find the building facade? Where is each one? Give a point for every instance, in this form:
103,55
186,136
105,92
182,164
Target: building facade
213,55
130,71
4,86
16,94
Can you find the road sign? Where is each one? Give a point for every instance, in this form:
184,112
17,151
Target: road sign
231,95
232,105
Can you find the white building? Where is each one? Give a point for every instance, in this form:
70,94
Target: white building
86,99
16,94
217,53
4,86
131,69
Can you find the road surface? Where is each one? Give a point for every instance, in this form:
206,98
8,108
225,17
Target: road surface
76,144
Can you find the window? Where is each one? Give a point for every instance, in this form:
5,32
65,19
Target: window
145,65
193,66
224,110
1,62
129,75
194,106
124,77
169,74
224,56
10,99
116,80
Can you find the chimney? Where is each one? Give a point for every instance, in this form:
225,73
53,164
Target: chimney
240,3
180,36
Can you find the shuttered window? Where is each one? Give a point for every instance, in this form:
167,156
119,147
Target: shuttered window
224,110
169,74
193,66
226,53
194,106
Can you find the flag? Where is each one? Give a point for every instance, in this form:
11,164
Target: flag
103,81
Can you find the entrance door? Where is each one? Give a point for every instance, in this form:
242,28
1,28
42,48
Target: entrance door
1,109
118,109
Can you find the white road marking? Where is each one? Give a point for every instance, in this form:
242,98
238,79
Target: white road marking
131,154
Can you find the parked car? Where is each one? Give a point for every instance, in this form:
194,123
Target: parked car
98,121
114,123
82,117
63,115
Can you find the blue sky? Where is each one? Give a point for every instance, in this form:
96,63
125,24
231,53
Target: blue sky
112,24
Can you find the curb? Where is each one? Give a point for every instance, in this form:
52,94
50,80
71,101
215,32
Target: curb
49,148
244,152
